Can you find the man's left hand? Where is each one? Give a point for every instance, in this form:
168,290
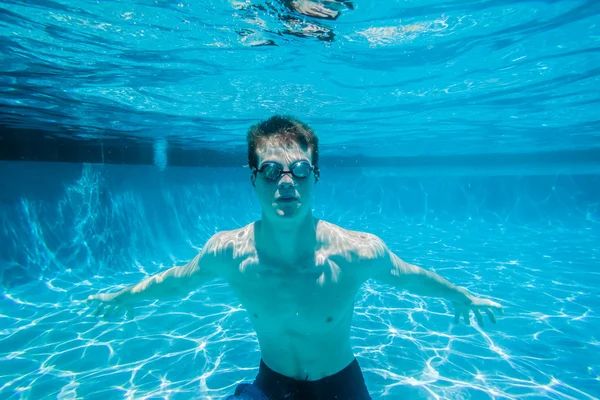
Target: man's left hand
477,305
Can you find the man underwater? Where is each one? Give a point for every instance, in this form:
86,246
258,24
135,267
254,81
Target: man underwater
296,276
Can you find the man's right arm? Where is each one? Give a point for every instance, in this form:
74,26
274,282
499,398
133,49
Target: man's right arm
176,281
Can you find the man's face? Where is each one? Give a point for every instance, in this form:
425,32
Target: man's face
287,196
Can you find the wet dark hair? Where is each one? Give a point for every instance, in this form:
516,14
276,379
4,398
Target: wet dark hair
286,130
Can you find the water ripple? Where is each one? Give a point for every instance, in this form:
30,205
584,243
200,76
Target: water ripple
515,75
529,242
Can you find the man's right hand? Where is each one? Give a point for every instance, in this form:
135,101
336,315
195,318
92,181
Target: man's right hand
111,304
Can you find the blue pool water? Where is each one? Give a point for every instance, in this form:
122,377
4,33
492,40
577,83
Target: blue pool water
528,242
463,133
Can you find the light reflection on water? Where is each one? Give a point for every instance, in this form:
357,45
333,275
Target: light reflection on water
102,231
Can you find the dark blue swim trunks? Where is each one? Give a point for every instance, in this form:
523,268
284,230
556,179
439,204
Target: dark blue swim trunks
348,384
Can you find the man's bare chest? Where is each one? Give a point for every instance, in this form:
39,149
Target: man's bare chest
315,274
314,292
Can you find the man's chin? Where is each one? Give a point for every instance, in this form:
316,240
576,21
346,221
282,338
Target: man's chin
288,210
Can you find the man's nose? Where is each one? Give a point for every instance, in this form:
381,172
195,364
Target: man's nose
286,180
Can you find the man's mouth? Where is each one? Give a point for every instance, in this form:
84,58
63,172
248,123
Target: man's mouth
287,199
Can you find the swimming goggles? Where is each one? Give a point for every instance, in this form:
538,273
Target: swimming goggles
273,171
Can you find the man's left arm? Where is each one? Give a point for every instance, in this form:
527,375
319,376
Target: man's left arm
389,268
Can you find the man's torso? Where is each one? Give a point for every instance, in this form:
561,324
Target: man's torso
301,313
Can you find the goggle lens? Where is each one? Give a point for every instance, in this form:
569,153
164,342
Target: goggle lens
273,171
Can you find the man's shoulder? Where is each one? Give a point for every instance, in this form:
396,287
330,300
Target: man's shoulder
328,231
353,244
230,242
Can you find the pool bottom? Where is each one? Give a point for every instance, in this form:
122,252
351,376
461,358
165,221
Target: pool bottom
203,346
